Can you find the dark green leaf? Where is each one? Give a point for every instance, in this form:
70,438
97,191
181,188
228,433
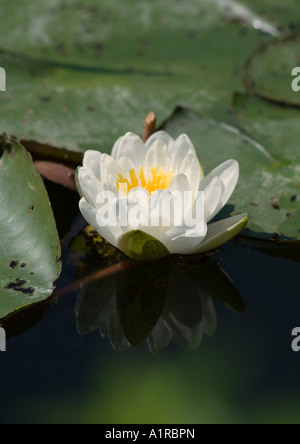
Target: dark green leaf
29,243
276,127
118,60
268,71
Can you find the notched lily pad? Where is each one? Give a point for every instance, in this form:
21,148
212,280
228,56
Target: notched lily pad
267,72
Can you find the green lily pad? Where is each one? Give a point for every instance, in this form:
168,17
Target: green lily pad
277,127
84,88
282,17
274,126
262,177
98,34
268,71
29,243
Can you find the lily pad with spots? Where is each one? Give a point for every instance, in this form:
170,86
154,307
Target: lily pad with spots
29,244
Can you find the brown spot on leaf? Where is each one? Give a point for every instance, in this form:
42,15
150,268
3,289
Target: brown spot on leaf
45,99
275,203
19,285
13,265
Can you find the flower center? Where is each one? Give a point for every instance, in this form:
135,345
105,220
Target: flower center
160,180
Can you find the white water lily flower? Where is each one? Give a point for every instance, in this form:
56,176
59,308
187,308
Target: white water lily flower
143,179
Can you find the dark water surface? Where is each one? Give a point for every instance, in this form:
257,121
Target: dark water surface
245,373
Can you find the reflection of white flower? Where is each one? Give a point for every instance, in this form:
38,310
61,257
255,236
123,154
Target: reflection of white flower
187,314
160,167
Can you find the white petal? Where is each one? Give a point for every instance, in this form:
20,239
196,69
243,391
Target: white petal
192,169
111,187
228,173
108,168
158,155
179,183
166,223
109,233
92,160
212,197
147,170
181,148
125,165
180,187
89,184
115,151
161,136
161,213
223,231
139,195
130,146
184,240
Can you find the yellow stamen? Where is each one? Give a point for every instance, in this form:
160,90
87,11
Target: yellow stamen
133,178
142,177
160,180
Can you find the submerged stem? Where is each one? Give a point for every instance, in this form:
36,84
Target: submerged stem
97,276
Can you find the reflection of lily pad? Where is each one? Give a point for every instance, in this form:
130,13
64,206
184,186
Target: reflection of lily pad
29,244
268,71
